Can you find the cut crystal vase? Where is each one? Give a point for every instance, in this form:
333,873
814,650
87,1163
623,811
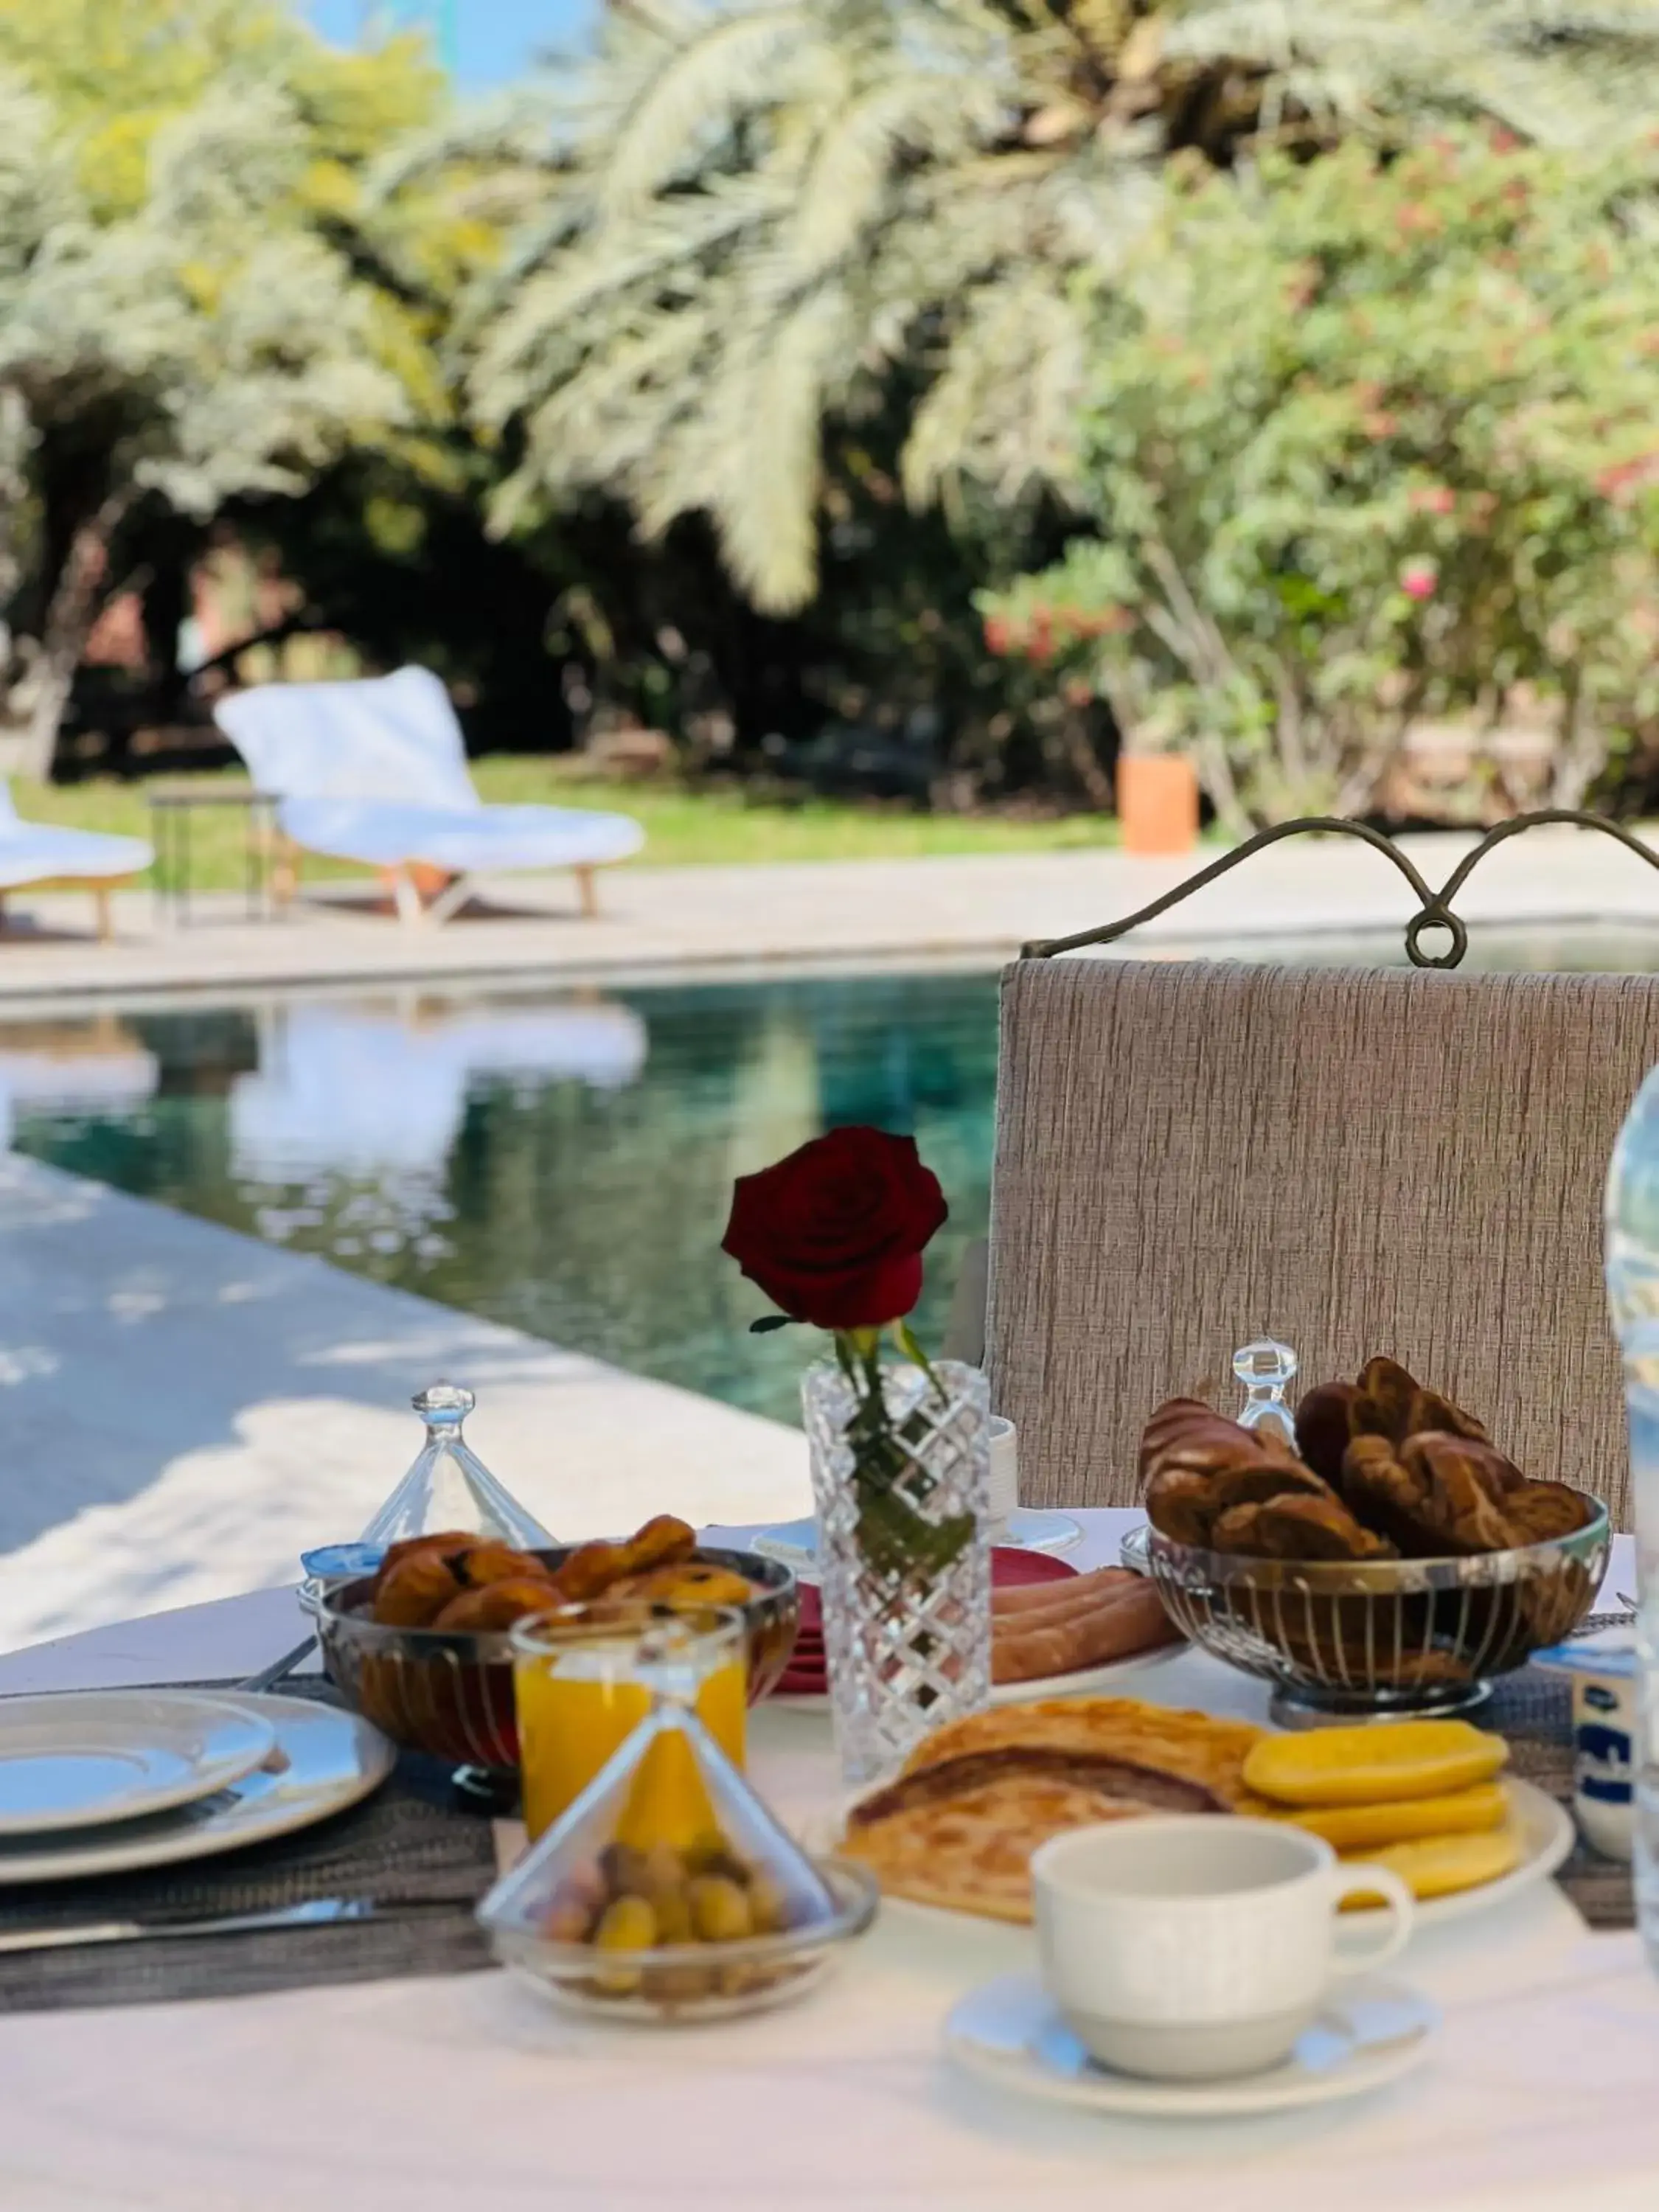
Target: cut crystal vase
903,1554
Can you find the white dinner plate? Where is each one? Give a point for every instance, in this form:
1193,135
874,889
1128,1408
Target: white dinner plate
1367,2032
1545,1833
322,1760
83,1758
795,1543
1082,1682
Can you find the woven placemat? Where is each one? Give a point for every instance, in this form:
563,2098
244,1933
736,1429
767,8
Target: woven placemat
429,1860
410,1846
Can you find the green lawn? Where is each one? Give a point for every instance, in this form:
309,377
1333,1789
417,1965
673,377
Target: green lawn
684,828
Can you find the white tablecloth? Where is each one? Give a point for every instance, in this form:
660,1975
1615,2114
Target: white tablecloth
415,2096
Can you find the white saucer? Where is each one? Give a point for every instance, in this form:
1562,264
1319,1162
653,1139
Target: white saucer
796,1542
85,1758
1028,1529
1367,2034
321,1761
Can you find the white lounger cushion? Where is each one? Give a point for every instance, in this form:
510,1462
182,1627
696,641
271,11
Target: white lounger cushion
40,852
465,841
341,1091
375,771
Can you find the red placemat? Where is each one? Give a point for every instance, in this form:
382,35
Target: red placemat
807,1675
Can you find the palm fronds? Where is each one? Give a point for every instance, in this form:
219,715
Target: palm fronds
745,207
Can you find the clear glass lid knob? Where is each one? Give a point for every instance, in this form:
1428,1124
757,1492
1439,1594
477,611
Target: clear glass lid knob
1267,1368
449,1487
444,1404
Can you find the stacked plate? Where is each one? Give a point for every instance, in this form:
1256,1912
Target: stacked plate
796,1542
104,1781
805,1682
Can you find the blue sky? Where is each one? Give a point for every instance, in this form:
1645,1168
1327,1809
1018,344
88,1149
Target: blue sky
495,40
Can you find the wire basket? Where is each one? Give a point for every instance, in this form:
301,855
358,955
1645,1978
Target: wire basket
1351,1640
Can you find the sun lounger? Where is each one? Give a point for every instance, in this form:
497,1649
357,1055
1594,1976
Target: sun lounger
374,771
44,856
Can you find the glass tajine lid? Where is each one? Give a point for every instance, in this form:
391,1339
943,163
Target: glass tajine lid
669,1845
449,1487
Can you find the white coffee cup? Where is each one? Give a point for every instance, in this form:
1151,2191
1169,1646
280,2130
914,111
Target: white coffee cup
1005,1473
1198,1946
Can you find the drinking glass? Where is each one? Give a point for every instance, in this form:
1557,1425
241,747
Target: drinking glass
586,1676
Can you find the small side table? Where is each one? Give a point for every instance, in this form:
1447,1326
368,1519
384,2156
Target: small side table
171,807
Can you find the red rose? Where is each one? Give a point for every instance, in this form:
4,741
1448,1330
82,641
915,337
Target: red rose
835,1233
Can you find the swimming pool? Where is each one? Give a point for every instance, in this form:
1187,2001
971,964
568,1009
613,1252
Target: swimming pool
559,1162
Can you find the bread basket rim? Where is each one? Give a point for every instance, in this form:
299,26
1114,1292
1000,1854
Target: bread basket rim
1145,1546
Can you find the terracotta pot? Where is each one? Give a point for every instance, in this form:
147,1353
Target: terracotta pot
1157,802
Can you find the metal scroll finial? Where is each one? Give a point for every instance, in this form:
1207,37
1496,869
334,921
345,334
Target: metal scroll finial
1434,907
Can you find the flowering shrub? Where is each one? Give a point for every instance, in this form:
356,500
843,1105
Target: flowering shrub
1369,442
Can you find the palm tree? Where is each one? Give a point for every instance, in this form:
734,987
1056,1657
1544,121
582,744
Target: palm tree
746,213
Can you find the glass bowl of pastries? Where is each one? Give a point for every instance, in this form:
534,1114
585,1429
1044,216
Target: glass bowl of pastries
423,1647
1392,1560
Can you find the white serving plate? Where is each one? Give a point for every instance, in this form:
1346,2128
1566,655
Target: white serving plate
84,1759
1546,1835
1367,2032
321,1761
1082,1682
795,1543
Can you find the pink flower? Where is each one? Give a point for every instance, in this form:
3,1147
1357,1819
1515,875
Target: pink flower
1434,499
1418,580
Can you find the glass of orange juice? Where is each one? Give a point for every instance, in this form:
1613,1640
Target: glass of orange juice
586,1676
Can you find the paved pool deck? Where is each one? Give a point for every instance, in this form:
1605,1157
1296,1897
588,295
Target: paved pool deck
689,922
184,1410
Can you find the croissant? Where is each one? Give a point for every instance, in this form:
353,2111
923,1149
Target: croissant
1324,1425
1297,1527
1197,1465
1430,1493
1390,1402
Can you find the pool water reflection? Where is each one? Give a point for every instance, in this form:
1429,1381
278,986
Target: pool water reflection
559,1162
562,1163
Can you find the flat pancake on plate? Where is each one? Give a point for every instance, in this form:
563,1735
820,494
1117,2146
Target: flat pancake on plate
959,1833
1191,1744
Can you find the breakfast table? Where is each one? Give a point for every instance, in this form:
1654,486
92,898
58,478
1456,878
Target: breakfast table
423,2093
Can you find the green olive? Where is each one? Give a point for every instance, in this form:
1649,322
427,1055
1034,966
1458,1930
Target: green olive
624,1870
674,1911
720,1909
570,1917
713,1855
628,1924
662,1868
769,1907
